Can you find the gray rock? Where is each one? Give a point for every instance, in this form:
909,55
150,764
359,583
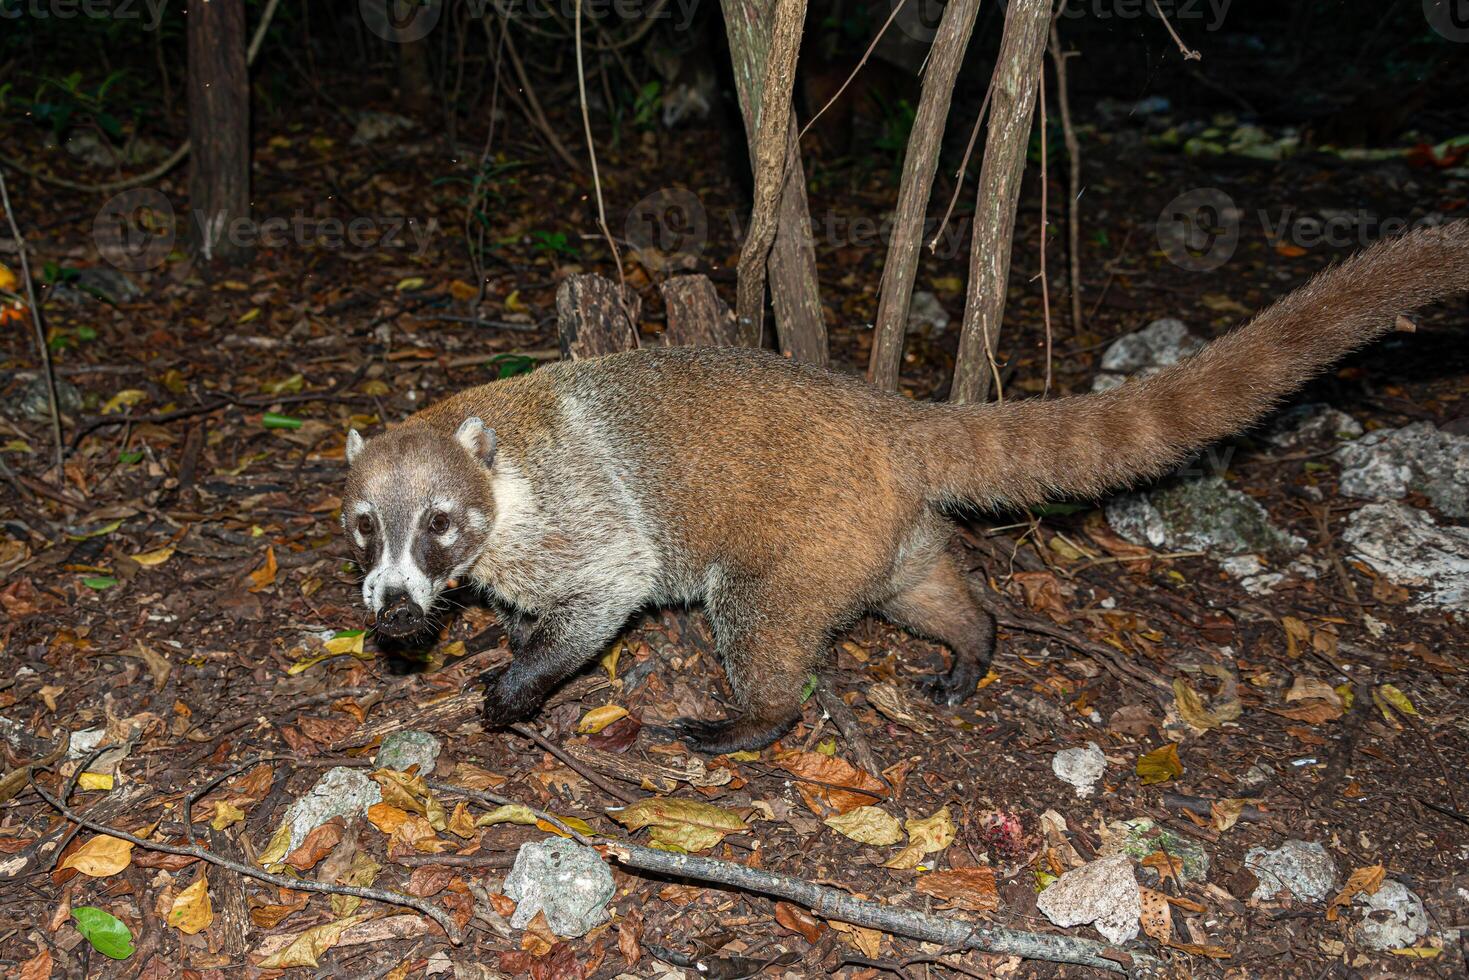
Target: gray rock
83,743
1410,548
1203,514
1102,892
1386,464
1300,867
1141,837
1313,423
88,285
373,127
403,749
341,792
1158,345
568,881
926,315
34,401
1080,767
89,147
1393,918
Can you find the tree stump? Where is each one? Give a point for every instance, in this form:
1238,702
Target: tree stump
697,317
594,316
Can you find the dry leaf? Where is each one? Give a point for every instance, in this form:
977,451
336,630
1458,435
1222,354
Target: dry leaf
270,916
317,844
1160,765
517,813
599,718
461,824
833,771
1156,916
929,835
411,793
1226,813
100,857
1311,712
38,967
886,698
225,813
192,912
799,921
386,817
156,557
264,576
1305,688
867,941
307,948
687,824
867,825
1363,881
972,889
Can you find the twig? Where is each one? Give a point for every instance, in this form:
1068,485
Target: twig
1073,169
984,106
532,105
611,789
841,715
586,123
1116,663
1189,54
1045,220
897,7
831,903
498,800
492,859
445,921
43,351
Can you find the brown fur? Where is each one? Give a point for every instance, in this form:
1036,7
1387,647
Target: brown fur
790,500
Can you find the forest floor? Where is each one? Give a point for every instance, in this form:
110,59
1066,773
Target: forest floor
187,594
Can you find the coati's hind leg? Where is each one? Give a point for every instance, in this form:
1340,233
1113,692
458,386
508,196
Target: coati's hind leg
769,650
935,602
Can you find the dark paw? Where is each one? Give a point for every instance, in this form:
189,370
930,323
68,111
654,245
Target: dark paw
728,735
951,689
505,703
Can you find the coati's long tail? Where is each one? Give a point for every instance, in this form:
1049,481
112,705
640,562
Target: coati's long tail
1027,451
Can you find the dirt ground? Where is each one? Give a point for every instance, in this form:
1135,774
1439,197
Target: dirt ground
172,589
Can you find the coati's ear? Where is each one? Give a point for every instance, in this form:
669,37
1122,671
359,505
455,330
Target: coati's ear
354,445
474,436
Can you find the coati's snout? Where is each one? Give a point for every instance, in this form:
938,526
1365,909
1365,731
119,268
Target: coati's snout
415,510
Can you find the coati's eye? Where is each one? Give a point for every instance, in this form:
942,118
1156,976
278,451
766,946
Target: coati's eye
439,522
364,525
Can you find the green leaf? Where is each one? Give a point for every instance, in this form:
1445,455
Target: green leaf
130,456
104,931
809,688
273,420
99,582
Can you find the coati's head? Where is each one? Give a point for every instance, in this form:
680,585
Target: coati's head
417,510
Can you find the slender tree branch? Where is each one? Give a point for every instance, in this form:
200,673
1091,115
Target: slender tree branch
42,350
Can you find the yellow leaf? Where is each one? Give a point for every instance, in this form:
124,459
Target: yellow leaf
192,912
927,836
1363,881
347,642
575,823
514,304
156,557
509,813
278,848
687,824
867,825
948,284
609,660
462,291
95,780
1160,765
460,824
8,278
101,857
599,718
126,398
226,814
1156,916
375,387
1397,699
307,948
253,314
411,793
264,576
1417,952
386,817
410,284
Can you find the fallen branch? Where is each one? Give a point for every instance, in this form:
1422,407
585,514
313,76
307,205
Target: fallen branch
830,903
591,775
455,934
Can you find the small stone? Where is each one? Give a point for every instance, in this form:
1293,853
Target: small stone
926,315
1141,837
1387,464
373,127
403,749
1392,918
35,399
1160,344
1080,767
568,881
82,743
341,792
1203,514
1102,892
1311,424
1303,868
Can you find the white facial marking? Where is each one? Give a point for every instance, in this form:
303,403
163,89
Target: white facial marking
358,509
396,571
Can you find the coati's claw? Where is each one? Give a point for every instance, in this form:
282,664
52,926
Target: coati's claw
503,704
730,734
951,689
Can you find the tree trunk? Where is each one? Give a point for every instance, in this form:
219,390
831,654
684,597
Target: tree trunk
1017,75
696,316
792,263
219,131
920,163
595,316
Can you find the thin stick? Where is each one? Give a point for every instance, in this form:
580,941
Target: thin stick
1073,170
984,106
831,903
42,349
586,124
1045,220
1189,54
455,934
860,63
611,789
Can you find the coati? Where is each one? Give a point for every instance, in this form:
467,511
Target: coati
788,499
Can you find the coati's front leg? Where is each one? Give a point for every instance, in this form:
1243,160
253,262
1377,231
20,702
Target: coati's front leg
545,651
